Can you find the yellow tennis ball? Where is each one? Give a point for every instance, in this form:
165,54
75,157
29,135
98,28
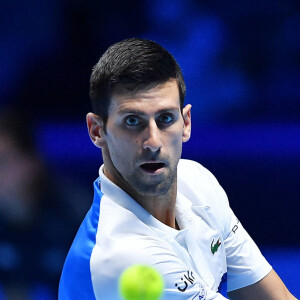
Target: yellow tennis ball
141,282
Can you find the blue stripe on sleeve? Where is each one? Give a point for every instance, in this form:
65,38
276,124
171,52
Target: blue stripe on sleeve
75,282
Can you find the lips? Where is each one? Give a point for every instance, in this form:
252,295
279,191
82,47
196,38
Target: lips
152,167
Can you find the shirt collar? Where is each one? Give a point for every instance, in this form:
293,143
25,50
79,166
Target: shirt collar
116,194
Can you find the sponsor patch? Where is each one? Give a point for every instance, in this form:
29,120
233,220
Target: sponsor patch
202,294
236,226
186,280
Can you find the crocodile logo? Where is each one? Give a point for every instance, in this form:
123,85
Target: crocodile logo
214,247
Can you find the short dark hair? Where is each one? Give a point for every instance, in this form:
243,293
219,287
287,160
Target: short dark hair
134,61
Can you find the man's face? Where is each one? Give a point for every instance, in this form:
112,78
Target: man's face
143,140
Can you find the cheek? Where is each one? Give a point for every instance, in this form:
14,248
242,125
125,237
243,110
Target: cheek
174,139
122,149
175,145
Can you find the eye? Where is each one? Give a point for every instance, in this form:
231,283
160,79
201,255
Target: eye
165,118
132,121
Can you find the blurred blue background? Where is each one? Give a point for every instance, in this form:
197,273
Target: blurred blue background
240,61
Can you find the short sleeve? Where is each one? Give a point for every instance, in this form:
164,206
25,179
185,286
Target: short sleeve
245,263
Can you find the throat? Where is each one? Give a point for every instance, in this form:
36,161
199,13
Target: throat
162,210
176,225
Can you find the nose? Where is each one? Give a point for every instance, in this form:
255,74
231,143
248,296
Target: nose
152,140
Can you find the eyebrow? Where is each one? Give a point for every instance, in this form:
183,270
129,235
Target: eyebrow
141,113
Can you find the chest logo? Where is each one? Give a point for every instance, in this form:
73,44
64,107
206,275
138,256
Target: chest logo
214,247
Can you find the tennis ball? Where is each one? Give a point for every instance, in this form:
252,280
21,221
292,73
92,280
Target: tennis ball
141,282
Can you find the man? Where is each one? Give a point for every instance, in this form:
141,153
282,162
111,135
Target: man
150,207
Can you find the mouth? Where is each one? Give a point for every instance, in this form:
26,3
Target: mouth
152,167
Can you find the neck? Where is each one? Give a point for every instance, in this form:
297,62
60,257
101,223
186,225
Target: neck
161,207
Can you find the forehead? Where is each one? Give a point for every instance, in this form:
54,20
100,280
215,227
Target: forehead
150,98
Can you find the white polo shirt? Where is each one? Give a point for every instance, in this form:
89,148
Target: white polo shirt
117,233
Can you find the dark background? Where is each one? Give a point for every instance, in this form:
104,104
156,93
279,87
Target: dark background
240,60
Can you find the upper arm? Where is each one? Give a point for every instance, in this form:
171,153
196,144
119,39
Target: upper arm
269,288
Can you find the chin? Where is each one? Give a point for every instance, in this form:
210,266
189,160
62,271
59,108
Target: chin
153,190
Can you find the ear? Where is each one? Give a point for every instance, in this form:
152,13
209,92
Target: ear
95,129
187,127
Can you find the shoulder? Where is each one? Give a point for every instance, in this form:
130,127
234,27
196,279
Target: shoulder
192,170
201,187
196,179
